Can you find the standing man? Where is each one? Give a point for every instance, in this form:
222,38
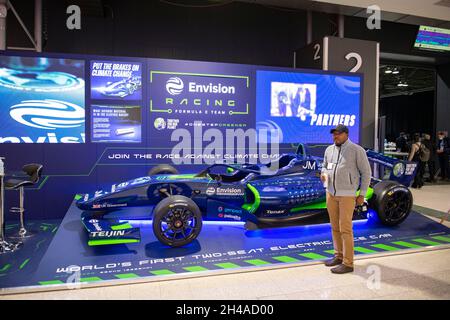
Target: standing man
443,151
345,170
415,155
432,158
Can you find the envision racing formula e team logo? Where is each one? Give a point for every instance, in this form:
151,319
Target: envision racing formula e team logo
48,114
174,86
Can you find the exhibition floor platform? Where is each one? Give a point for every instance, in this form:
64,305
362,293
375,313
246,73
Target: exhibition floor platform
59,258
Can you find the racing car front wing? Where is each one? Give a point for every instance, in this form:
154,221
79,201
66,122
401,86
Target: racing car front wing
102,231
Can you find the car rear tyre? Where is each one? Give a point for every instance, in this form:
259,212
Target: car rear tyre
177,221
392,202
162,169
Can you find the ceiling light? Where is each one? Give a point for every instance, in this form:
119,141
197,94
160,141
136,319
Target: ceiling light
388,71
395,71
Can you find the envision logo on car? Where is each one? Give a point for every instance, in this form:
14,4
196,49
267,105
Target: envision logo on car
210,191
229,191
48,114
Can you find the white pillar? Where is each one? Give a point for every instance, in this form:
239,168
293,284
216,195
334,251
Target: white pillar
341,25
3,14
308,27
38,24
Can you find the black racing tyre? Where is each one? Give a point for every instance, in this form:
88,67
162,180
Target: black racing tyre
392,202
177,221
162,169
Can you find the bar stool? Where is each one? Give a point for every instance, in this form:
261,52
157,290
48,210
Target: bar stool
5,246
32,175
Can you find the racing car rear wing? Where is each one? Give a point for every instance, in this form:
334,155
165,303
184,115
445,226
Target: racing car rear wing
394,169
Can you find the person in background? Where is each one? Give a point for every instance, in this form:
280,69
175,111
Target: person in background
401,143
414,155
409,142
443,151
432,159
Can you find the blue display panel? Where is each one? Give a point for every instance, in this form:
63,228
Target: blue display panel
211,99
116,123
116,80
303,107
197,104
43,100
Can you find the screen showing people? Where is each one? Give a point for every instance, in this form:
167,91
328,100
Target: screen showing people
293,100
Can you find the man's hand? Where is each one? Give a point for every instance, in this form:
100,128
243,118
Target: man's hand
360,200
323,178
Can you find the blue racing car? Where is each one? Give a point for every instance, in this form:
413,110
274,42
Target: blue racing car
284,191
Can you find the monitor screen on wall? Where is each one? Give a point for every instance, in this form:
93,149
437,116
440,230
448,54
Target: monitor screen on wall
431,38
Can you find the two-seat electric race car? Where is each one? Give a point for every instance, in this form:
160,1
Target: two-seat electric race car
284,191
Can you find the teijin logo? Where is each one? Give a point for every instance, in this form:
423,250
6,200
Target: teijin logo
48,114
174,86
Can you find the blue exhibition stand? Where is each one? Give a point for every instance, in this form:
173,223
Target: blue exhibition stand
59,258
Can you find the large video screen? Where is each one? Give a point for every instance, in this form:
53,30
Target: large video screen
303,107
431,38
42,100
161,102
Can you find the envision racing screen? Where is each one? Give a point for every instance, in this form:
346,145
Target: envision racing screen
42,100
163,104
305,106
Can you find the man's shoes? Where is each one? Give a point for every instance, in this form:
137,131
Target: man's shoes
333,262
342,269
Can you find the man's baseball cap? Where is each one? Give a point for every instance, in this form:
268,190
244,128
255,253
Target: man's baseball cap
339,129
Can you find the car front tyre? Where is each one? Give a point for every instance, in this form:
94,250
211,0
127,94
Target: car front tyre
177,221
